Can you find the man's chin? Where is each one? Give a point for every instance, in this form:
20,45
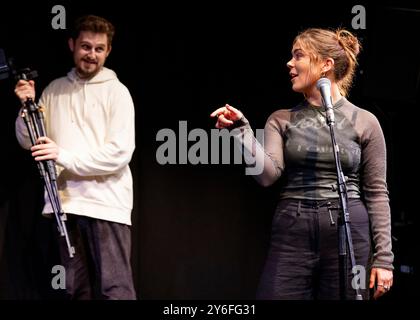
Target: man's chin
87,74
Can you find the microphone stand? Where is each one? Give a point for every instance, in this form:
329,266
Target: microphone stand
33,117
343,224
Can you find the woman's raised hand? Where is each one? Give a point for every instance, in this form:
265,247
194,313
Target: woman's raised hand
226,116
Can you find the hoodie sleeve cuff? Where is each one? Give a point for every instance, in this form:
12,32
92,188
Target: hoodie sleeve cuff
65,158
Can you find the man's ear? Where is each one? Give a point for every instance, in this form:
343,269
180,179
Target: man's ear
71,44
109,51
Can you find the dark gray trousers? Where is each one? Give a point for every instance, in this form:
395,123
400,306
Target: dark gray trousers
101,267
302,262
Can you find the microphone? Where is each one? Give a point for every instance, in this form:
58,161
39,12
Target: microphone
324,86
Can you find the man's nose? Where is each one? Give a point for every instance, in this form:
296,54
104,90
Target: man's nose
91,53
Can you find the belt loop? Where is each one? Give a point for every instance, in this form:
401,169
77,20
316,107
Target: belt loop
329,212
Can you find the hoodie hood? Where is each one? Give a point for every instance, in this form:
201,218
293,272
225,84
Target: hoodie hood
80,101
103,75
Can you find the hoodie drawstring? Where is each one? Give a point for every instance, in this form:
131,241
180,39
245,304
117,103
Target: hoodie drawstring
84,103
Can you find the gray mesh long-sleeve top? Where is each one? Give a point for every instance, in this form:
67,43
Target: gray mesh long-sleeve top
297,148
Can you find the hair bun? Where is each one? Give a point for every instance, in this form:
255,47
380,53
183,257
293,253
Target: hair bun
348,41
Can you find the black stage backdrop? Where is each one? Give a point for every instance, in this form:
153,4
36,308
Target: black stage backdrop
201,231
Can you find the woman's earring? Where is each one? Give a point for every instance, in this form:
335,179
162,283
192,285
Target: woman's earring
323,75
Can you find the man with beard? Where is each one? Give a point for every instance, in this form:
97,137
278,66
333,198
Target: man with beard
89,118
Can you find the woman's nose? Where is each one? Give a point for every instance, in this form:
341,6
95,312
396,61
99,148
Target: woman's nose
290,64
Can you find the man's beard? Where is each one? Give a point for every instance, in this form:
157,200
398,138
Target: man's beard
86,74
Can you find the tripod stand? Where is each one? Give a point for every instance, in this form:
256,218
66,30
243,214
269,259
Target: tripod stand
33,116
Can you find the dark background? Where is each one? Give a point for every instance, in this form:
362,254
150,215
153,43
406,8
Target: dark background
202,231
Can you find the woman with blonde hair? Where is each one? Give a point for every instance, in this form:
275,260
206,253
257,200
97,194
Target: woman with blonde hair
303,261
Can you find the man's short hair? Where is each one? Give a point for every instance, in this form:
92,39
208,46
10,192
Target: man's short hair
94,24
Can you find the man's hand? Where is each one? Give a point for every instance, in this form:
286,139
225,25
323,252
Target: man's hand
45,149
25,89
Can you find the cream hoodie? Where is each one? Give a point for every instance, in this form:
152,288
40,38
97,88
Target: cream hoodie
92,122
